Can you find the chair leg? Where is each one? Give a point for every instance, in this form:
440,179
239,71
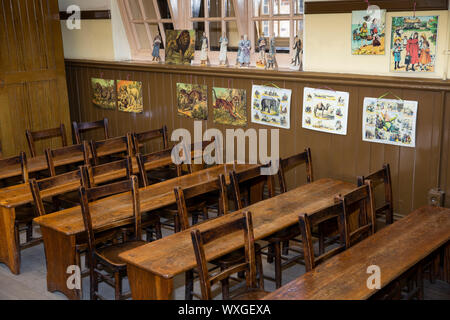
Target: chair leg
278,271
158,232
118,285
194,218
29,231
225,289
321,239
260,271
93,283
205,213
17,235
286,247
270,253
189,285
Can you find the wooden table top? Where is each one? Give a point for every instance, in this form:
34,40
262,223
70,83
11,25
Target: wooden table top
118,208
174,254
394,249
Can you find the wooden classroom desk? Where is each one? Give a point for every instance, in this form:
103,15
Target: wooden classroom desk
395,249
62,230
152,267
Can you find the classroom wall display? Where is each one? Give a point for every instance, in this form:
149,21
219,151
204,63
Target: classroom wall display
390,121
271,106
413,44
325,110
192,101
230,106
129,96
104,93
180,46
368,32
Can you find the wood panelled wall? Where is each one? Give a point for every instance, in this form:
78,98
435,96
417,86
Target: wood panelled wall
33,92
414,170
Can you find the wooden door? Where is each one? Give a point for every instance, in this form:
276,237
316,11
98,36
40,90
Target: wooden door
33,89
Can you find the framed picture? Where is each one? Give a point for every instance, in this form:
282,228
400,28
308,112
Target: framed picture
230,106
180,46
192,101
129,96
368,32
271,106
104,93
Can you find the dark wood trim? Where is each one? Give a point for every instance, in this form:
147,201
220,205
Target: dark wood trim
389,5
88,15
311,78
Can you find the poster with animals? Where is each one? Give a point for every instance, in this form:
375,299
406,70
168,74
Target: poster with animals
104,93
271,106
368,32
390,121
129,96
325,110
180,46
230,106
413,44
192,101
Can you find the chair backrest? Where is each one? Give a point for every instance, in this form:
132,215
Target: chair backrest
142,160
38,187
88,195
66,152
13,163
139,138
109,147
79,127
202,238
90,173
308,222
182,195
382,177
293,161
359,201
33,136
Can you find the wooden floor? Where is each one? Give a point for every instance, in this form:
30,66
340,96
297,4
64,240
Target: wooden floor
31,283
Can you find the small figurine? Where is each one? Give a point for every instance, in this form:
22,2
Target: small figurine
223,49
272,49
262,47
204,50
156,46
298,49
239,51
244,53
270,61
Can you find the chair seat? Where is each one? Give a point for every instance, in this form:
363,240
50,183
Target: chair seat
110,254
284,235
251,294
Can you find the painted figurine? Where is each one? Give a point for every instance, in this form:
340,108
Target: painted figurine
204,50
244,52
156,46
262,47
270,61
223,49
272,49
297,51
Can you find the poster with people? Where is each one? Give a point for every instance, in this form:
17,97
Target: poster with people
104,93
368,32
271,106
390,121
129,96
413,44
325,110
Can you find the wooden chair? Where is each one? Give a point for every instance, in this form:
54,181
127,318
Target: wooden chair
294,161
201,238
307,223
67,153
90,174
151,176
378,178
112,149
80,127
359,202
14,163
45,134
140,138
108,257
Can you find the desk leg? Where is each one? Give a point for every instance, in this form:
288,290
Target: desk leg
148,286
60,253
9,251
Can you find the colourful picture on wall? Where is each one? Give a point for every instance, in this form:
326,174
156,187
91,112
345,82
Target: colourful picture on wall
368,32
129,96
413,44
192,101
390,121
230,106
104,93
180,46
271,106
325,110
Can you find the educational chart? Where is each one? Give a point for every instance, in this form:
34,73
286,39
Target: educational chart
230,106
368,32
325,110
271,106
390,121
413,44
192,101
129,96
104,93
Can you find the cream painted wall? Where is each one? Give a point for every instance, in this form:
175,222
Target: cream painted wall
328,47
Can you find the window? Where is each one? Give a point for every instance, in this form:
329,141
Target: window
144,19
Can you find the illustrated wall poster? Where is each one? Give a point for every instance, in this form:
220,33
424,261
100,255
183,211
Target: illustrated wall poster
180,46
368,32
129,96
230,106
192,100
390,121
413,44
325,110
104,93
271,106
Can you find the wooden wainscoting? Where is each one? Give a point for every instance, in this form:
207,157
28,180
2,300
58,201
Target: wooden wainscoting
414,170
